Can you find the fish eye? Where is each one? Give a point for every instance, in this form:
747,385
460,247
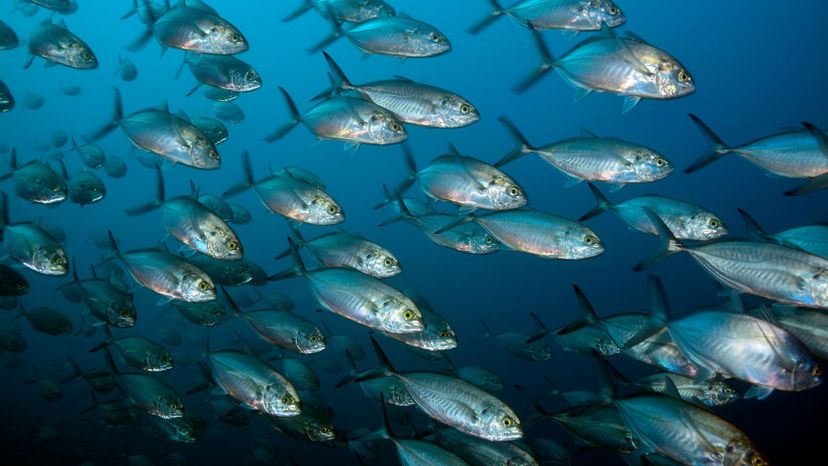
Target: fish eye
757,461
660,162
203,285
235,37
433,36
465,109
728,390
507,422
213,155
325,430
408,314
489,239
513,191
613,10
56,188
444,334
683,77
86,55
332,209
287,399
394,126
714,223
124,313
232,245
388,262
315,338
56,260
590,239
816,372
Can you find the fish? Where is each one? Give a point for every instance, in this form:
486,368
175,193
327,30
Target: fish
516,344
31,246
283,328
60,6
414,103
217,205
85,188
166,274
33,101
541,234
812,239
808,326
49,388
230,273
218,95
214,129
358,297
308,426
483,378
192,29
349,250
104,300
592,158
8,38
709,393
627,66
91,154
437,336
223,71
228,112
469,238
126,69
790,154
291,197
47,320
181,429
455,402
478,452
164,134
151,395
241,215
6,98
189,221
300,374
115,166
253,382
12,282
206,314
59,138
768,270
351,120
355,11
56,44
569,15
139,352
685,220
386,389
396,36
464,181
70,89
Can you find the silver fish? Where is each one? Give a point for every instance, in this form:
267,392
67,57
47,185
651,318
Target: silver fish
568,15
465,181
482,453
223,71
347,119
361,298
626,66
437,335
291,197
396,36
139,352
126,70
151,395
105,301
355,11
190,222
706,393
593,158
808,326
516,344
214,129
164,134
342,249
812,239
685,220
207,314
86,188
36,182
544,235
8,38
115,167
254,383
56,44
31,246
194,29
48,321
414,103
6,98
166,274
790,154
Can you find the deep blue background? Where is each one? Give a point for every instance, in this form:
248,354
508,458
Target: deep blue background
759,66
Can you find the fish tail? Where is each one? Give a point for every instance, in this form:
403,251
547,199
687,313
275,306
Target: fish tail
336,33
184,61
547,63
497,12
752,227
206,384
543,330
411,168
112,243
385,369
352,374
669,244
587,317
456,223
538,411
4,211
718,147
818,182
132,11
404,213
234,308
602,204
117,115
522,146
145,36
76,371
247,171
303,8
296,118
487,332
659,314
155,203
297,238
338,79
12,165
298,269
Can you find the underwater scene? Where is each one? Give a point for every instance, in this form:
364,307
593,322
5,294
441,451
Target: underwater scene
416,232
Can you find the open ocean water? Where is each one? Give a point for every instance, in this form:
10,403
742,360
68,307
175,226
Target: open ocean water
758,67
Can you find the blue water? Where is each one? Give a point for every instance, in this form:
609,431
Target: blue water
758,65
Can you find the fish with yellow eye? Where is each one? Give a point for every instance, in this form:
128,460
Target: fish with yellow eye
189,221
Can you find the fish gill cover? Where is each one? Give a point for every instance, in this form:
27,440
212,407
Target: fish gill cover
384,232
